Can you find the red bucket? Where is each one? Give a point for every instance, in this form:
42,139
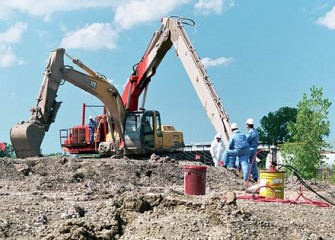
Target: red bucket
195,180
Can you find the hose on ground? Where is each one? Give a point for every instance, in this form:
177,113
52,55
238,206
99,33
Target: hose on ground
300,177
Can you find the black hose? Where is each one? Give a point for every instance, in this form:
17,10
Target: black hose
184,20
301,177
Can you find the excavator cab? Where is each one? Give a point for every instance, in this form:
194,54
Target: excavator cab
140,133
144,134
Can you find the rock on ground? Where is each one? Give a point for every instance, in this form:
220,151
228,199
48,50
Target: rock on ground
71,198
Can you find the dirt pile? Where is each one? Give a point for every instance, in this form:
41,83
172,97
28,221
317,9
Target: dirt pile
70,198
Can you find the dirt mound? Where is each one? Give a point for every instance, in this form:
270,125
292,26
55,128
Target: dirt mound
71,198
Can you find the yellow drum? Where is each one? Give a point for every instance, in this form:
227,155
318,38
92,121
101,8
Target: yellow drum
272,184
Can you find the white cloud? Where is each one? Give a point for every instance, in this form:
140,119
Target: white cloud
138,11
46,7
128,14
328,20
13,35
5,13
8,57
93,37
208,62
207,7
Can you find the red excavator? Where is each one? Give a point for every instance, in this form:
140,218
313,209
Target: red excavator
126,123
171,33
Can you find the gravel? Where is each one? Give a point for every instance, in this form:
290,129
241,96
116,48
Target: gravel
72,198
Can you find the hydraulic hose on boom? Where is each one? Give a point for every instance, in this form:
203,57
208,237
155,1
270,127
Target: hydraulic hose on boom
27,137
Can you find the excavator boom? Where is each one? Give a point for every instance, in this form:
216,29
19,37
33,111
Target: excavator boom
27,137
172,33
198,76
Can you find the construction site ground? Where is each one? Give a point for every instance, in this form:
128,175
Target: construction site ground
71,198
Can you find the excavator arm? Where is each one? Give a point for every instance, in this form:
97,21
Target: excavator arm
27,137
172,33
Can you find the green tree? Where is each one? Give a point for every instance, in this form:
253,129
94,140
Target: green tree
273,127
309,131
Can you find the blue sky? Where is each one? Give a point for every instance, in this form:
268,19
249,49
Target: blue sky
260,55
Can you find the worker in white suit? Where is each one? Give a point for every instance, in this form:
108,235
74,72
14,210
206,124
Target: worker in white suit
217,149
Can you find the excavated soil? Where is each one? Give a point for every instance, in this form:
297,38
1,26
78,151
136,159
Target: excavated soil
71,198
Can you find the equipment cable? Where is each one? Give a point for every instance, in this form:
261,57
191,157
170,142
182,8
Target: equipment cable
300,177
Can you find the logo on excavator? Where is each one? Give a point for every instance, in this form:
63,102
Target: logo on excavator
93,84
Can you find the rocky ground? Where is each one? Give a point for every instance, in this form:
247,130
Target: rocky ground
71,198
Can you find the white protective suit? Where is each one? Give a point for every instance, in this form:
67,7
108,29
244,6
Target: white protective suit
217,149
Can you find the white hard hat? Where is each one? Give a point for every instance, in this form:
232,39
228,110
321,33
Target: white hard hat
250,121
90,117
234,126
218,135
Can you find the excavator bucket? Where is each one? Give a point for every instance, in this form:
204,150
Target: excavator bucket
26,139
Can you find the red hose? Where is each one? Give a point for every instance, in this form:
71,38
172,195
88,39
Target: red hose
249,173
256,198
